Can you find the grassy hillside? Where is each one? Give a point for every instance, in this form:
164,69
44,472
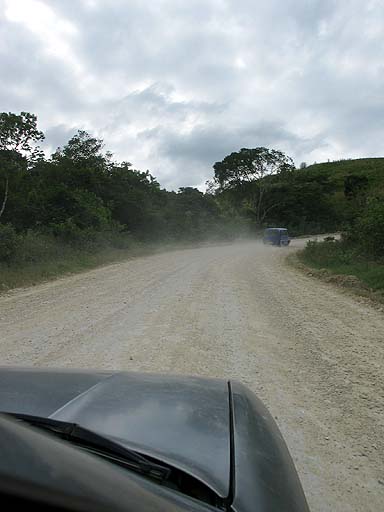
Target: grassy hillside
358,202
371,168
351,184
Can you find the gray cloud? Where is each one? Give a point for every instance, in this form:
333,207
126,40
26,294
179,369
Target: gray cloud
56,135
174,86
189,153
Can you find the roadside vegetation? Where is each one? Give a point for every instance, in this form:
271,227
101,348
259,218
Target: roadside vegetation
360,251
341,260
79,208
345,196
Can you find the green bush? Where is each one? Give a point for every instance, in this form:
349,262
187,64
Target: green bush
33,256
63,240
89,210
34,247
8,243
369,230
344,257
329,252
88,239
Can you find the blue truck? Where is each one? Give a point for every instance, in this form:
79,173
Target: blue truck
276,236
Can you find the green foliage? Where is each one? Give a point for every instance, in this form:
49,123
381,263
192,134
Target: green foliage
191,214
329,253
354,181
18,132
245,178
249,165
314,199
344,258
80,201
40,256
34,247
370,167
297,200
360,252
8,242
83,149
369,230
355,186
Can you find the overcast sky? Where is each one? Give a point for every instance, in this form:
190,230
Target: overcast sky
175,85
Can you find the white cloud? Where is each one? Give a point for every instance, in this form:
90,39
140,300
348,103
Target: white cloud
53,32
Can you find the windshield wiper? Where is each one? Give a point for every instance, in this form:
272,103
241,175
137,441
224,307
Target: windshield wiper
98,445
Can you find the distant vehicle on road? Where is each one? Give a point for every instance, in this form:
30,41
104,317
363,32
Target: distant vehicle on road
276,236
118,441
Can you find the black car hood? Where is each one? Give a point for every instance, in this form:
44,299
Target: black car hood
183,421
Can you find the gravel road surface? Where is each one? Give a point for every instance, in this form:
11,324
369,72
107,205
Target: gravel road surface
312,352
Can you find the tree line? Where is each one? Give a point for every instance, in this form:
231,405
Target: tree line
81,196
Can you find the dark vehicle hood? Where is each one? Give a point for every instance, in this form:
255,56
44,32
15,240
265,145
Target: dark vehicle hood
216,431
39,472
183,421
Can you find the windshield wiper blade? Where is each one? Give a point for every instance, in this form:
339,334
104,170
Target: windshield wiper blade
97,444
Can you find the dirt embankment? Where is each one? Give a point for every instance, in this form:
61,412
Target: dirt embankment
313,353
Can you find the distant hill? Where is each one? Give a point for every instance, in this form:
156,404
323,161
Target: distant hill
371,168
320,198
324,197
355,202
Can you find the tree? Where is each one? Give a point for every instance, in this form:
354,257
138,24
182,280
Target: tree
83,149
246,173
133,198
81,163
18,133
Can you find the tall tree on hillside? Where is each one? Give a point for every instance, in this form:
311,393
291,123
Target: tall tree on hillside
18,135
245,173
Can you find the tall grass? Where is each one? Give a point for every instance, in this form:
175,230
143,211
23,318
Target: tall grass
340,257
37,257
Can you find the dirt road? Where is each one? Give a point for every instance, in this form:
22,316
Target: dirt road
314,354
